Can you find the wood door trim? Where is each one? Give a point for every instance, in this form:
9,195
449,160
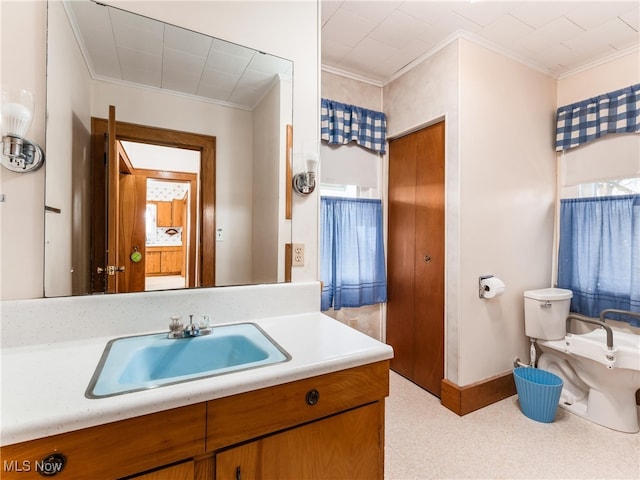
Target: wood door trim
193,181
206,145
113,200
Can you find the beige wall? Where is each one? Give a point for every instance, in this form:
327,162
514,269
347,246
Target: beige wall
507,198
500,184
602,78
290,32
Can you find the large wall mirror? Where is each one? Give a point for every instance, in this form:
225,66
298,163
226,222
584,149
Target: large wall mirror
204,212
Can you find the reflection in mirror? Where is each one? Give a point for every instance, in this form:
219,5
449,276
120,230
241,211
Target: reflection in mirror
170,78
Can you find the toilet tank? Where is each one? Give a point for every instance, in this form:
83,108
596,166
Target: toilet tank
545,313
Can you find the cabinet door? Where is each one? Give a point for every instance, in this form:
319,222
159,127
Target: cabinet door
177,210
152,262
171,261
183,471
164,215
347,445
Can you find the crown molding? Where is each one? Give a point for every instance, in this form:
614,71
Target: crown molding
462,34
352,76
600,61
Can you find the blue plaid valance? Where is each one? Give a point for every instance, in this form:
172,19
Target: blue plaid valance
341,124
582,122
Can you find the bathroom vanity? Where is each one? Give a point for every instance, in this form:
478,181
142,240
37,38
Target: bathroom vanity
328,426
318,415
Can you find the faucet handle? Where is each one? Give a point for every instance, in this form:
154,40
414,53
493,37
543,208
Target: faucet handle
175,324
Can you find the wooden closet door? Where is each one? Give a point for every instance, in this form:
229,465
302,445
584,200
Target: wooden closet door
415,312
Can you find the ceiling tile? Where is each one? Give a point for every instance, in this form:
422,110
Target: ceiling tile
176,60
348,28
447,24
181,80
430,12
397,29
333,52
506,30
538,14
551,34
632,18
219,60
141,76
376,11
598,13
270,64
187,41
137,32
328,8
482,13
617,34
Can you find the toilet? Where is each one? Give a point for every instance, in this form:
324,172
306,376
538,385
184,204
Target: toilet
599,383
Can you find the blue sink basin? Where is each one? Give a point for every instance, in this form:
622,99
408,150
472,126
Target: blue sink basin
141,362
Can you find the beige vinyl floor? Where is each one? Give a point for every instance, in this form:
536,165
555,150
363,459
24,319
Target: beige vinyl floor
424,440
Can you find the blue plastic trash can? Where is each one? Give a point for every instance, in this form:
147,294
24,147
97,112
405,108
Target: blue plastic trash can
538,393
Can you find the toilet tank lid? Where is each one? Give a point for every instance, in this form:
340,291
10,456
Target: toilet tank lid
549,294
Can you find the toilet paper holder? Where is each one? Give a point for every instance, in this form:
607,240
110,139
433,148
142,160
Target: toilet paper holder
483,288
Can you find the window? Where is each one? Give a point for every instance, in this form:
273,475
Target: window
625,186
599,253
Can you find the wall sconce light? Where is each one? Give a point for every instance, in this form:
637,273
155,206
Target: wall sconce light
304,183
16,114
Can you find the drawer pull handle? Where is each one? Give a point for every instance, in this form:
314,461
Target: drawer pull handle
51,465
312,397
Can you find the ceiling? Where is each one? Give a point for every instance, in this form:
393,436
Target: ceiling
374,40
127,48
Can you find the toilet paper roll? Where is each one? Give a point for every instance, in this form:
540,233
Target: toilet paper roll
492,287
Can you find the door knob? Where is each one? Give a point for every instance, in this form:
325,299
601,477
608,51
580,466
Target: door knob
427,258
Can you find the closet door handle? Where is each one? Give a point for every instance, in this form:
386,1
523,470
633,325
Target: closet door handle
427,258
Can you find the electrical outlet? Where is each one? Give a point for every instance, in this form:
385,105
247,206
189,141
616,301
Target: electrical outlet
298,255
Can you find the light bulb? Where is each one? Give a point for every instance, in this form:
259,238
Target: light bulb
17,112
312,162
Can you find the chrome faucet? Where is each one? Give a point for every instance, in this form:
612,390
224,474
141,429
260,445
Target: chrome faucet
178,330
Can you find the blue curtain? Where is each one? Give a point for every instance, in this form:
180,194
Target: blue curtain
599,254
352,253
341,123
613,112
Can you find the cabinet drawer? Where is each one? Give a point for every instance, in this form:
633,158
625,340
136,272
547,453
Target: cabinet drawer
239,417
113,450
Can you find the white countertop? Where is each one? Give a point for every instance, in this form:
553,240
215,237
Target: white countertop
43,386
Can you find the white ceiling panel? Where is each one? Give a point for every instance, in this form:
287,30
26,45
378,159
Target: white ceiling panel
631,18
506,29
348,28
126,47
551,36
397,29
375,11
482,13
186,41
618,34
597,13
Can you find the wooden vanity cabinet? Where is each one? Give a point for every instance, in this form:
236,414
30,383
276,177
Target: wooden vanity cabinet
343,446
113,450
164,260
325,427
